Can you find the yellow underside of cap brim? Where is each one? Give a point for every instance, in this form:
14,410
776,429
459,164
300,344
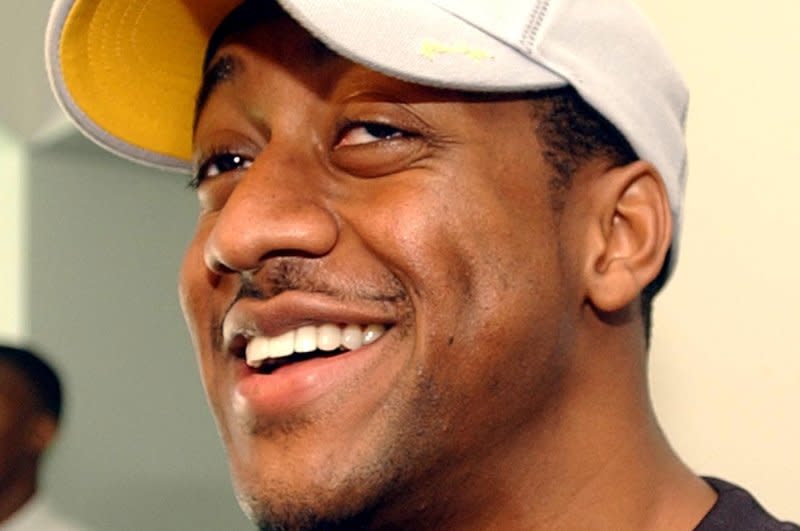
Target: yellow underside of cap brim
134,66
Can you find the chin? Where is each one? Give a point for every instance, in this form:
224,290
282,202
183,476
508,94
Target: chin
306,512
291,494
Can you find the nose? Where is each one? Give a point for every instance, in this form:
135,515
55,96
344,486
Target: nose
275,209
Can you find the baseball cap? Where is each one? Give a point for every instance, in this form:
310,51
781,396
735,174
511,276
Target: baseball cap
127,71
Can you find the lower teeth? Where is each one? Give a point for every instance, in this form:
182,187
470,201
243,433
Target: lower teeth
271,364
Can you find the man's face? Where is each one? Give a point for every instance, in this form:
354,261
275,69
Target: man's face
333,195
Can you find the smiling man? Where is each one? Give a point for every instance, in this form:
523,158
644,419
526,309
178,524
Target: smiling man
428,240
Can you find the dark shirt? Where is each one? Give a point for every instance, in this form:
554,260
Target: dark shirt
737,510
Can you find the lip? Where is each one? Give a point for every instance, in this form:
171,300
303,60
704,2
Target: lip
298,385
293,386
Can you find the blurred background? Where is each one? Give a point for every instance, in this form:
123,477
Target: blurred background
90,247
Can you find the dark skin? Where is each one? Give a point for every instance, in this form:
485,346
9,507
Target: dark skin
25,433
509,391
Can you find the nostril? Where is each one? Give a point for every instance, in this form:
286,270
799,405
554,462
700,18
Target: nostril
215,265
221,269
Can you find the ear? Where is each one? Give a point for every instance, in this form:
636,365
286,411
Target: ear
42,432
629,234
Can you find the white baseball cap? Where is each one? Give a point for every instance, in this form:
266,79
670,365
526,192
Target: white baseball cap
127,72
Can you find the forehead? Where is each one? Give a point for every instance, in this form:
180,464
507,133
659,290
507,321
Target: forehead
243,18
274,34
278,36
249,53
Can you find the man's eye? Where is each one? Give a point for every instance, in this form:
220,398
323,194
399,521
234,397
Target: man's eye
369,132
219,164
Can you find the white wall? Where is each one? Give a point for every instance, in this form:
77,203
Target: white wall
12,240
726,358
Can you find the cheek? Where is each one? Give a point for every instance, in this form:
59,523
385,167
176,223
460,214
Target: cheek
12,436
196,291
481,260
193,288
410,231
457,252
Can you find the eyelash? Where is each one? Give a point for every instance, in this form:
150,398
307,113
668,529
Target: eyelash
377,129
220,156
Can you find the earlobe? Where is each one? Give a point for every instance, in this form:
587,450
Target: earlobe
629,236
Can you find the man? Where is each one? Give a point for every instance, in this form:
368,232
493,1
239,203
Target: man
30,409
429,237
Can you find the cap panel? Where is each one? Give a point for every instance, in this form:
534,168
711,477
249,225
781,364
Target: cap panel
611,55
418,41
506,21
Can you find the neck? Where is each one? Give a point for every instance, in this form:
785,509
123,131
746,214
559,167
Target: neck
13,495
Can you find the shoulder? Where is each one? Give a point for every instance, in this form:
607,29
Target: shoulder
737,510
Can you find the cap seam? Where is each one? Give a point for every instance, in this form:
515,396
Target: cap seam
534,24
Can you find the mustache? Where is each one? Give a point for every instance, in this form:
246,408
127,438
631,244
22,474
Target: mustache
297,274
282,274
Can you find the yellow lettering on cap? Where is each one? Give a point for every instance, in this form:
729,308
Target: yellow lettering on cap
431,48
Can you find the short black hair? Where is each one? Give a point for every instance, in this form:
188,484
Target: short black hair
572,133
43,378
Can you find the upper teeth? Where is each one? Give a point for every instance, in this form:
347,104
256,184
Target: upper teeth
326,337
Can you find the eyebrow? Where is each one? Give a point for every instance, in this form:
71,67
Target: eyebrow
223,70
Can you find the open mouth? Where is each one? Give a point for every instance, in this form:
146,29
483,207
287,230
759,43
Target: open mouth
267,354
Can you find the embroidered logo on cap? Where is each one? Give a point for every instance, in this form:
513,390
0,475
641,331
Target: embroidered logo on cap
430,49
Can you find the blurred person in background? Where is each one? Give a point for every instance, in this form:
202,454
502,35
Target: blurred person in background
30,411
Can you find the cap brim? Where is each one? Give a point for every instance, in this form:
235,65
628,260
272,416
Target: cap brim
127,71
